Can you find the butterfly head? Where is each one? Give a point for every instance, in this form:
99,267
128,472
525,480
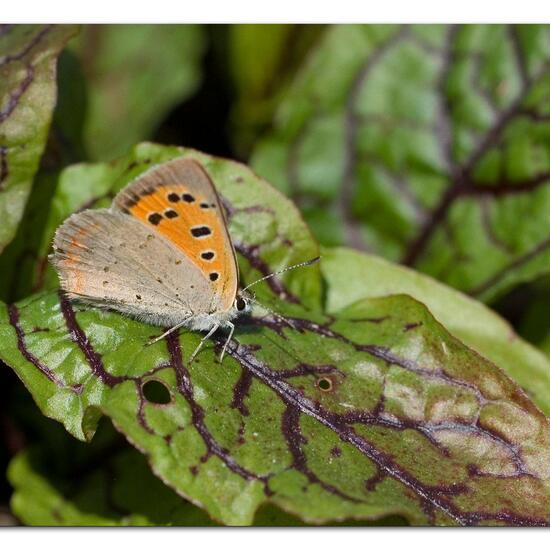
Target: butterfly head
243,302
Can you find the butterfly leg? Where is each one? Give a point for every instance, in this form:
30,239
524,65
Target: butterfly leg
169,331
201,343
231,331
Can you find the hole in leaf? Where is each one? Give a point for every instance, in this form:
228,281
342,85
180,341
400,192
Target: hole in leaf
156,392
325,384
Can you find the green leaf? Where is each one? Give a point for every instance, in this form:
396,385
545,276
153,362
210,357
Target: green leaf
425,144
340,415
28,57
135,75
23,262
103,496
336,418
108,495
61,481
352,276
262,60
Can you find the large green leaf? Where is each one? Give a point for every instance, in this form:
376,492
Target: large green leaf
425,144
135,74
339,415
335,418
28,57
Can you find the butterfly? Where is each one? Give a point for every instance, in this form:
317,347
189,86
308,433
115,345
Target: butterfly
161,254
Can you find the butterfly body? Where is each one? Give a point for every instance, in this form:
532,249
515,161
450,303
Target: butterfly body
161,254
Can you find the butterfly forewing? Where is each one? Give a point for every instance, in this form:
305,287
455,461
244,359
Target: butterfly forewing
178,201
113,261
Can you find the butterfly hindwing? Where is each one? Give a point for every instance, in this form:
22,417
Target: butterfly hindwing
178,201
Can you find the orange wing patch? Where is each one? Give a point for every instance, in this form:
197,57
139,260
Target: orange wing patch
71,251
189,221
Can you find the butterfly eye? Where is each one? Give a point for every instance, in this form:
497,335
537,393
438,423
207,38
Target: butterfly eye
240,304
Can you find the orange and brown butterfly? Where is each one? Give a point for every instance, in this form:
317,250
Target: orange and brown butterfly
162,253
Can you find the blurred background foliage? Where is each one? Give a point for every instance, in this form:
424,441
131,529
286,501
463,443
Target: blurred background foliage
427,145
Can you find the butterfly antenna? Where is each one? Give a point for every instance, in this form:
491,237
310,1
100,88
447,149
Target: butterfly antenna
302,264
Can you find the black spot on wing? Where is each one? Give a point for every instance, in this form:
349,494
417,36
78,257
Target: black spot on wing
154,218
200,231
